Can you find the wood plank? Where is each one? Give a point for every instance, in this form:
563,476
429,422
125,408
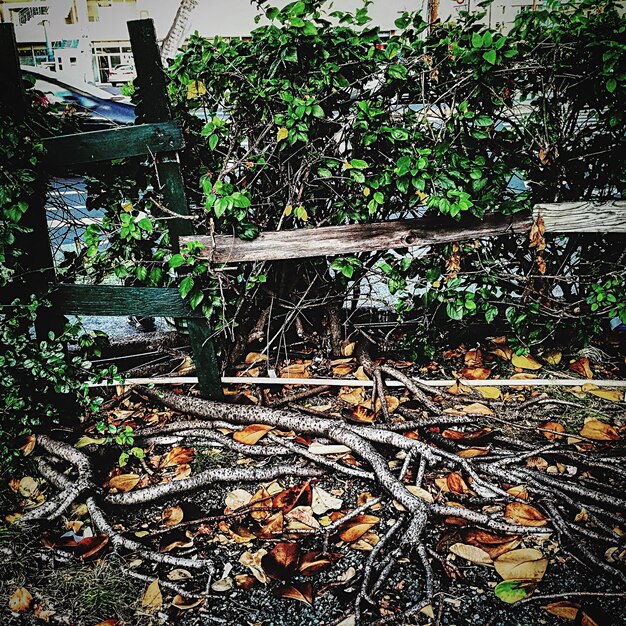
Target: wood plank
154,108
583,217
353,238
109,300
114,143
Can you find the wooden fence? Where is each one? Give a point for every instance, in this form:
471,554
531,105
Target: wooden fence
160,137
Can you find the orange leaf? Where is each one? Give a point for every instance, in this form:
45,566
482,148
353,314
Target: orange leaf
289,498
303,592
599,431
252,434
172,515
475,373
456,484
524,514
20,600
553,426
178,456
493,545
357,527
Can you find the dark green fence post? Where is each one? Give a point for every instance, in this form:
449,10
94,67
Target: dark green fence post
155,107
38,262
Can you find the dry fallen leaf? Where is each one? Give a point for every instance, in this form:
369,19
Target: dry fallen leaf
20,600
153,598
552,357
493,545
524,564
183,604
474,554
281,563
478,408
236,499
255,357
357,527
253,562
525,362
491,393
352,395
313,562
456,484
555,427
599,431
124,482
29,445
323,501
564,609
524,514
475,373
178,456
582,367
252,434
172,515
28,487
301,591
614,395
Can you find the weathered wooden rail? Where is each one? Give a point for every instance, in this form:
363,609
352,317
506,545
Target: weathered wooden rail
160,137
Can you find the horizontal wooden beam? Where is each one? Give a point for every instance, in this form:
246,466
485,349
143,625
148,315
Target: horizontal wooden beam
110,300
115,143
583,217
353,238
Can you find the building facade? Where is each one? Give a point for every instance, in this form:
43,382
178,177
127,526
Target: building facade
87,38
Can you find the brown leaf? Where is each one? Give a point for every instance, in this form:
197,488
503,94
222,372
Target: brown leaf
172,515
347,347
504,352
183,604
564,609
352,395
357,527
470,453
293,496
524,564
343,369
582,367
313,562
473,358
478,408
110,622
255,357
493,545
281,563
538,228
303,592
359,414
524,514
599,431
178,456
272,527
153,598
92,546
553,426
244,581
29,445
20,600
252,434
475,373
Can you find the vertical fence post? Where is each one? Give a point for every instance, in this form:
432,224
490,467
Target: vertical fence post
155,107
37,261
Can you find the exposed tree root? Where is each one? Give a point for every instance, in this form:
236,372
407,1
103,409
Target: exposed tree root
558,495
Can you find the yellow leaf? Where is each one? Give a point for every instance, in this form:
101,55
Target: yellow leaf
255,357
124,482
553,357
614,395
127,206
489,392
599,431
195,88
281,134
355,395
288,210
153,598
525,362
421,195
347,166
360,374
366,191
477,407
252,434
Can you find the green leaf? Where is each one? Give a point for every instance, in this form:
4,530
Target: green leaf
318,111
455,311
176,261
145,224
221,204
324,172
512,591
309,29
186,286
195,299
359,164
611,85
477,40
213,139
397,71
483,120
490,56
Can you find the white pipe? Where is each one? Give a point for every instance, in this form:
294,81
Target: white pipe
339,382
